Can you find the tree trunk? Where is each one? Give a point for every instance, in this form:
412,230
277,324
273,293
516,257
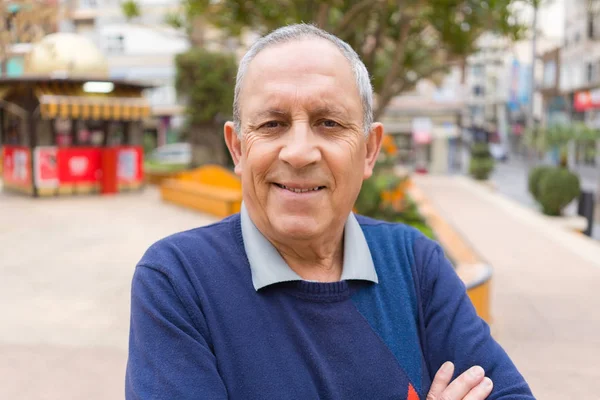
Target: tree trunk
208,145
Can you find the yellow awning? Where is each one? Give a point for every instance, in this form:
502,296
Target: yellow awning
69,101
98,108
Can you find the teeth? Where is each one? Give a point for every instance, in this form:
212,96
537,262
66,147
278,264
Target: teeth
299,190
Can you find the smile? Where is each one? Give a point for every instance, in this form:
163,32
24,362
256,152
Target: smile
300,190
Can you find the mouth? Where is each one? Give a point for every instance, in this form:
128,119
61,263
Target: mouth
300,189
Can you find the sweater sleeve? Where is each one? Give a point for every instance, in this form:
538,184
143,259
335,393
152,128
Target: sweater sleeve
454,332
169,355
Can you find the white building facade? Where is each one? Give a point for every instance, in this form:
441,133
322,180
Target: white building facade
142,49
579,81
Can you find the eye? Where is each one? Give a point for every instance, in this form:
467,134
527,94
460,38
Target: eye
271,125
330,124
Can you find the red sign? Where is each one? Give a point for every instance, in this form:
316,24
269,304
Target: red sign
130,164
79,165
17,165
587,100
422,129
46,167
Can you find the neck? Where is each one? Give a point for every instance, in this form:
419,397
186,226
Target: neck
322,262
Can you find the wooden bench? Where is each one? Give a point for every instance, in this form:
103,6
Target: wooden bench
470,267
211,189
158,177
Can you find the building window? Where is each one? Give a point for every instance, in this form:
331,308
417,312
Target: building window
88,3
478,90
577,36
115,44
549,74
477,69
590,25
589,72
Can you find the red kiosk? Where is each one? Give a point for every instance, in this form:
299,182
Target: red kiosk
67,129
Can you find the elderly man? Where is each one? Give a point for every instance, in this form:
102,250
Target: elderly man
296,297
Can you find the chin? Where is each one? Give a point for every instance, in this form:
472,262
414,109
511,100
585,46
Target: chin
297,227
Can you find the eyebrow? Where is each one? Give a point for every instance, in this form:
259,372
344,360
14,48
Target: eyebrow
270,113
333,111
317,112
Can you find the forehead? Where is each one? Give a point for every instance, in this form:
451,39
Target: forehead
304,72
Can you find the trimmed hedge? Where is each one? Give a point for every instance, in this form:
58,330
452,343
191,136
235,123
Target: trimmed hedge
482,163
553,188
535,175
558,187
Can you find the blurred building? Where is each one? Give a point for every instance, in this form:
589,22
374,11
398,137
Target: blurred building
486,82
554,104
141,49
425,124
580,72
499,89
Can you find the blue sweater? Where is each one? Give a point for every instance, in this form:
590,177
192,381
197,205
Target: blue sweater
199,329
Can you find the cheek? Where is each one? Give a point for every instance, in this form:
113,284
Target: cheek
347,164
259,156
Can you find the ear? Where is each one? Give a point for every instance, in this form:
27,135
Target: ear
234,144
373,147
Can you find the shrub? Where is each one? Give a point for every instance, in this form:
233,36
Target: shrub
481,168
557,188
535,176
482,163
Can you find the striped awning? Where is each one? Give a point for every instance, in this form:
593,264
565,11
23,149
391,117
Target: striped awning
97,108
63,102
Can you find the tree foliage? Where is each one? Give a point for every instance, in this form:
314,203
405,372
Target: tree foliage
400,42
559,136
25,21
130,9
206,80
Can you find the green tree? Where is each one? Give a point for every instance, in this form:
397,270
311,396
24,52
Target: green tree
130,9
559,136
400,42
205,81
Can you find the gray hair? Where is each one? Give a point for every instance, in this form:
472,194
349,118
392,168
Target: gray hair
304,31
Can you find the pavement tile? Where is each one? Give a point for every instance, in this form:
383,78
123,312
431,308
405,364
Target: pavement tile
545,288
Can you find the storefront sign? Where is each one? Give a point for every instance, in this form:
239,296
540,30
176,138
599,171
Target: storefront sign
129,164
46,167
17,165
77,165
587,100
422,129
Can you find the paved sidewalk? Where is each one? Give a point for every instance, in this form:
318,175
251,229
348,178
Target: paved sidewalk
546,286
65,276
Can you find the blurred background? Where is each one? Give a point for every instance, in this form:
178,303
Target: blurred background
111,116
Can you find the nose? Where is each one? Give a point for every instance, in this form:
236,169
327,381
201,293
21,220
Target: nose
300,149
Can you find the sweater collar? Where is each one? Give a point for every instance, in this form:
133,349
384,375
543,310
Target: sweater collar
268,267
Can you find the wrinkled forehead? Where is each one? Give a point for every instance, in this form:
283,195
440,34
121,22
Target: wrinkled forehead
297,73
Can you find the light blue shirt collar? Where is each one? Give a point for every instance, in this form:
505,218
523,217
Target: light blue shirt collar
268,267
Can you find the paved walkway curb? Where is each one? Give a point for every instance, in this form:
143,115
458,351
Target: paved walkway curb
546,282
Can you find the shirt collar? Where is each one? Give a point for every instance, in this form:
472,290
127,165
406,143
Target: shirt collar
268,267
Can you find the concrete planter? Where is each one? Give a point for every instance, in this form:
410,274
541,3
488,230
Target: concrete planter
571,223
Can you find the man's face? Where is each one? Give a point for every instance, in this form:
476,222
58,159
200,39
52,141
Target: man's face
303,154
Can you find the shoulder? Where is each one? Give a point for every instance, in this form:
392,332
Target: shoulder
392,237
398,233
194,247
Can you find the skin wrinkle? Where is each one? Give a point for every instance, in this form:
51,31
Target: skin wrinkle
289,97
